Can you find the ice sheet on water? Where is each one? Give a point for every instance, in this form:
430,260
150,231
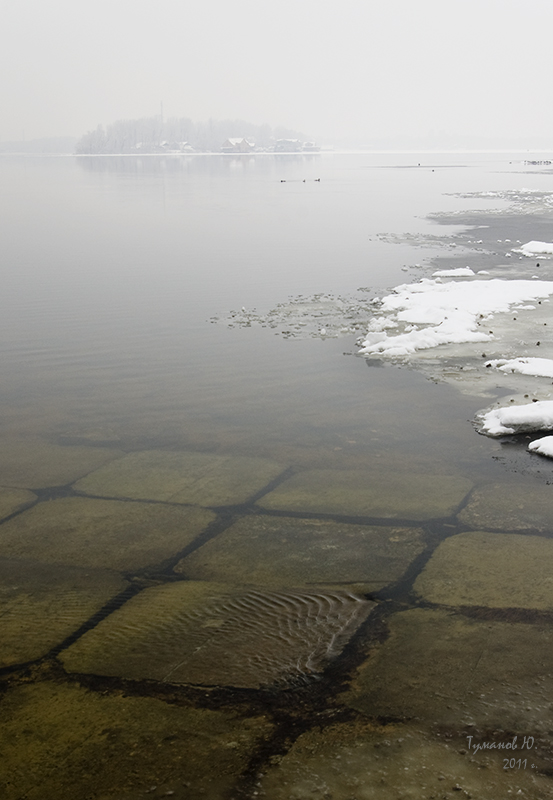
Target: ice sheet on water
543,446
539,367
432,313
443,327
525,418
458,272
532,249
521,201
447,327
449,318
482,332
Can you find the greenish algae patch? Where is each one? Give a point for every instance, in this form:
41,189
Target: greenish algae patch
490,569
509,507
40,605
182,477
370,493
445,669
211,634
36,464
62,742
356,761
101,533
12,500
283,551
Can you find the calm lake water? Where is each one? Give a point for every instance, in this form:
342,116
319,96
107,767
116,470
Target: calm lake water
113,266
119,369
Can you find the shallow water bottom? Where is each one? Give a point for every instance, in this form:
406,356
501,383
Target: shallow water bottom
284,490
367,763
258,640
63,741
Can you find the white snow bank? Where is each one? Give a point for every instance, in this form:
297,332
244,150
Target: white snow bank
543,446
539,367
453,273
531,249
450,313
518,419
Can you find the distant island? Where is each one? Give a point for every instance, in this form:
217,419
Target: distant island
181,135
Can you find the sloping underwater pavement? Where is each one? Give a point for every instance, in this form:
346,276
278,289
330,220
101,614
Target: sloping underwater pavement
490,569
369,493
447,670
12,500
387,762
61,742
181,477
509,506
82,531
37,464
41,605
155,637
286,551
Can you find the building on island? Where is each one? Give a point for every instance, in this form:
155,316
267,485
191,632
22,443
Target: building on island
288,146
237,145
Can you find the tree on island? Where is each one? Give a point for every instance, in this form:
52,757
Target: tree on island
154,135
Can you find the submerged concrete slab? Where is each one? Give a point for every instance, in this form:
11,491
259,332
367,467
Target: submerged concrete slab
283,551
41,605
370,493
61,742
183,477
510,506
12,500
445,669
101,533
490,569
36,464
210,634
387,762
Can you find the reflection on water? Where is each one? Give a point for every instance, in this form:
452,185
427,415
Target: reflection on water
147,450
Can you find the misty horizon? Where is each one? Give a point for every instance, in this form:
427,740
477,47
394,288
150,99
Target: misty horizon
432,140
378,73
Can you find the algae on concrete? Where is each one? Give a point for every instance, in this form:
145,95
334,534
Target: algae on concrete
102,533
446,669
36,464
41,605
62,742
182,477
12,500
212,634
369,493
387,762
509,506
490,569
283,551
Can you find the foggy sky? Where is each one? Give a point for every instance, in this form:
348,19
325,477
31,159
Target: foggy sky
369,68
